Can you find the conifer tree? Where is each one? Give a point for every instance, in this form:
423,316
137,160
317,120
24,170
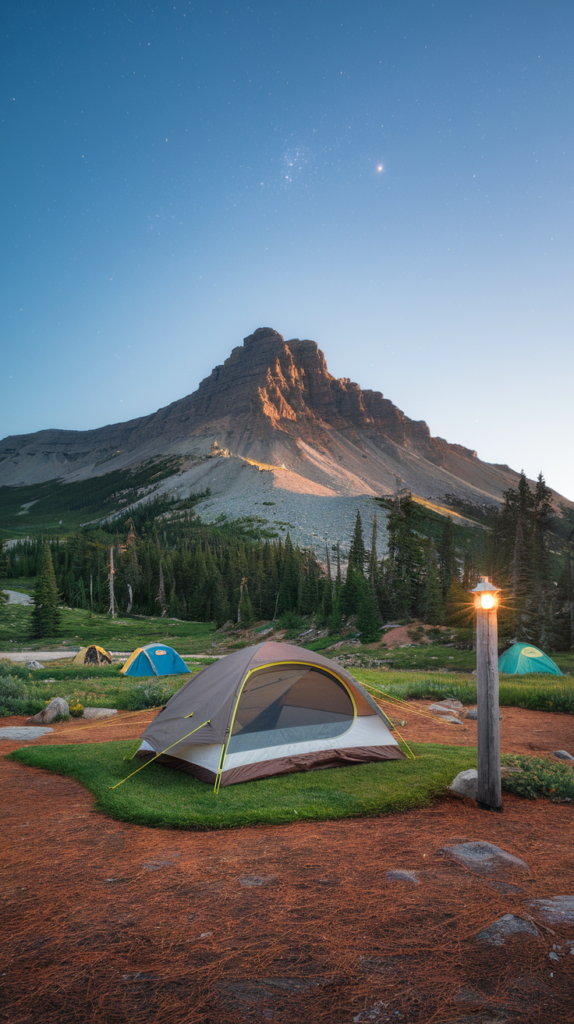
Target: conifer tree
357,553
433,605
367,611
46,617
448,566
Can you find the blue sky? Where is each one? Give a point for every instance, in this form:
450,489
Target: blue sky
393,180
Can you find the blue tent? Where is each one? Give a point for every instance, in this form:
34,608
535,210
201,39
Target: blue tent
520,659
156,660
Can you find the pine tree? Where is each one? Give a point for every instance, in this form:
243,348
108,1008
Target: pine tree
448,565
433,604
3,573
46,617
357,553
367,612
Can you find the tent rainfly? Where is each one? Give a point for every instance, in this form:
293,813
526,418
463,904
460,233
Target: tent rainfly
268,710
154,660
93,655
520,659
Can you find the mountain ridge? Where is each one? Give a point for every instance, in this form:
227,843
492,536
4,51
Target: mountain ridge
274,408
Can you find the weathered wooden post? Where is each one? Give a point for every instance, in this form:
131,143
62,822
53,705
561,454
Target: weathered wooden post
488,714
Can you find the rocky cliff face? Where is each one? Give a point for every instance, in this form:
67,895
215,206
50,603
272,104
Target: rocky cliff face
273,404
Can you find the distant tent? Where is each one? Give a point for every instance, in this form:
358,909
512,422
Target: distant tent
154,660
93,655
520,659
270,709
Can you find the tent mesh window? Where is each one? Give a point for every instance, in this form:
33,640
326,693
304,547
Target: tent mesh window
290,704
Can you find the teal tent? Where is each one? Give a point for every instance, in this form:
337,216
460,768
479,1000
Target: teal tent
154,660
520,659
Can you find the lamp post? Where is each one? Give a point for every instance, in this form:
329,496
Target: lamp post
488,714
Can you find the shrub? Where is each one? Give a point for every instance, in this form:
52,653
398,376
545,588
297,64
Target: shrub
293,623
13,695
76,709
539,777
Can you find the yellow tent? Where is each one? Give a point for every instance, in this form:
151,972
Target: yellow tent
92,655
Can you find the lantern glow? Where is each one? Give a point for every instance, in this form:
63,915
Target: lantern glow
485,595
487,600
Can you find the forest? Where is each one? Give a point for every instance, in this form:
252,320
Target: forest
167,562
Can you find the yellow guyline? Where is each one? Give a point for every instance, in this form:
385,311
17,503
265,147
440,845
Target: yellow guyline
116,721
161,752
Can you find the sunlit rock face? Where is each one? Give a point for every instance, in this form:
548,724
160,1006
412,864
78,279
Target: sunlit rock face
272,405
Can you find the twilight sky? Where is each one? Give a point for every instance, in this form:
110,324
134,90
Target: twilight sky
391,179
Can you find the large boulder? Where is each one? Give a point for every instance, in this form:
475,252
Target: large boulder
506,927
57,706
465,784
484,858
563,755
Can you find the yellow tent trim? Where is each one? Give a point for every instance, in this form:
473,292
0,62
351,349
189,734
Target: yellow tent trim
131,659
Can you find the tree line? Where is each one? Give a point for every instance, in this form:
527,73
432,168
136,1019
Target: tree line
175,565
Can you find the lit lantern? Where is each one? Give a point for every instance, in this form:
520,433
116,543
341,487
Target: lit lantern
485,595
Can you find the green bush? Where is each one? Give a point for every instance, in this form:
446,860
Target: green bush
535,697
539,777
143,697
293,623
13,695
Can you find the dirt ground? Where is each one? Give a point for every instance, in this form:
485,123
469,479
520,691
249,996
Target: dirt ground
108,922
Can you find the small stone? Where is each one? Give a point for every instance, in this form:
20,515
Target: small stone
484,858
57,706
22,732
563,755
506,926
99,712
472,714
449,702
553,956
556,910
34,664
253,880
400,875
465,784
450,718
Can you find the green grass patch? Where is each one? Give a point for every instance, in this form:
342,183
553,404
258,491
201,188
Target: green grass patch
162,797
538,694
539,777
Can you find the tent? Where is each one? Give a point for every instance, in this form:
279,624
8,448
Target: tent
156,660
268,710
93,655
520,659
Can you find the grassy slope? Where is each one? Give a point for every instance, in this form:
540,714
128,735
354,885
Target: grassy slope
161,797
79,628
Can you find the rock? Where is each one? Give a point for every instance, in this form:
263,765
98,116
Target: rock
563,755
473,715
506,926
450,718
556,910
484,858
57,706
34,664
99,712
505,888
439,709
22,732
400,875
465,784
255,880
448,702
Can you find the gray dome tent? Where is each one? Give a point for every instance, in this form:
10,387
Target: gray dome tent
268,710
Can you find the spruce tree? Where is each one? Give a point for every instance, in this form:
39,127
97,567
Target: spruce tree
433,604
367,612
46,617
448,566
357,553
